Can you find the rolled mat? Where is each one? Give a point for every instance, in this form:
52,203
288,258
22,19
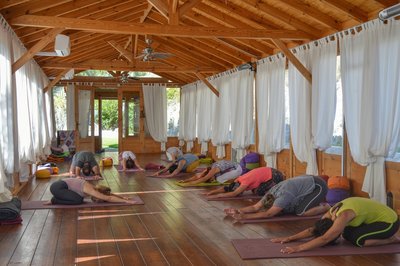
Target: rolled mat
35,205
282,218
265,249
119,169
203,184
242,197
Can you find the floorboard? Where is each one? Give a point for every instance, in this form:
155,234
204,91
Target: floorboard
175,226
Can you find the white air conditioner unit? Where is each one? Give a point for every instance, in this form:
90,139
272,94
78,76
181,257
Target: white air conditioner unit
61,47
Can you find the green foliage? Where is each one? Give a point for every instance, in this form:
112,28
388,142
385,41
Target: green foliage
60,108
109,114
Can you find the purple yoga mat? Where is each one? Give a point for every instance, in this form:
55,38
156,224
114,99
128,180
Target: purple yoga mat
265,249
119,169
34,205
282,218
242,197
181,174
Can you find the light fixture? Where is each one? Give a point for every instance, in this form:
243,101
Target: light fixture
389,12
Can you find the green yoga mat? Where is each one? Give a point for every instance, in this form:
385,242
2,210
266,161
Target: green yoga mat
204,184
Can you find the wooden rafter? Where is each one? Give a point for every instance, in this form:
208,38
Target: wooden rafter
114,27
125,53
55,80
125,66
36,48
209,85
160,6
188,5
351,10
293,59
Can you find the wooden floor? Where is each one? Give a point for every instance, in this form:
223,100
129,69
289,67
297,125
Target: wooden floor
176,226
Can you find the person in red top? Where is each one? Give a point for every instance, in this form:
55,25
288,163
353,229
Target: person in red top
259,180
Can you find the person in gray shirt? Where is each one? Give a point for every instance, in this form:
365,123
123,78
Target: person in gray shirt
84,162
301,195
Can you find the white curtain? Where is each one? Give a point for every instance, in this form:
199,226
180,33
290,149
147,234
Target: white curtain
300,112
187,115
323,103
222,117
242,110
205,106
155,106
70,107
8,110
270,96
370,67
84,112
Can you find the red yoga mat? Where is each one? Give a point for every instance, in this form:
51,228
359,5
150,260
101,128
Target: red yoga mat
34,205
265,249
282,218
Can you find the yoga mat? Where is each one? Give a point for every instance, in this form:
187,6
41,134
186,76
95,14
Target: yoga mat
35,205
265,249
87,178
91,178
247,196
119,169
203,184
282,218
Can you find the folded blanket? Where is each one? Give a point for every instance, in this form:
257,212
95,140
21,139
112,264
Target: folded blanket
10,210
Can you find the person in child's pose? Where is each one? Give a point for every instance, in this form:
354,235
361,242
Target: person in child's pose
361,221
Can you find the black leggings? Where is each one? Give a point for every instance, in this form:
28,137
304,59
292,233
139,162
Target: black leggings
378,230
62,195
314,198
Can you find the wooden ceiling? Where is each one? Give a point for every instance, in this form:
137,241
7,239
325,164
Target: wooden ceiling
206,37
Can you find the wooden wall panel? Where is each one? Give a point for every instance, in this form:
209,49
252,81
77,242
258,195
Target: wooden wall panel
331,164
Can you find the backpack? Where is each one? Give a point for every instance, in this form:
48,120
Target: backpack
249,162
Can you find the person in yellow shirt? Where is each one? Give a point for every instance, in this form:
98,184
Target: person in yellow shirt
361,221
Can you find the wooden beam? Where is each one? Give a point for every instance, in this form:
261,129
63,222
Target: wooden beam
160,6
115,27
188,5
128,55
293,59
55,80
173,17
202,78
351,10
135,46
126,66
145,13
36,48
10,3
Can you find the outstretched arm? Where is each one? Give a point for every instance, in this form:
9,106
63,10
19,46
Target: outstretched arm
301,235
271,212
234,193
138,165
178,169
89,190
163,170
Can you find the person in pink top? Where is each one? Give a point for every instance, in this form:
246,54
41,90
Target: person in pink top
259,180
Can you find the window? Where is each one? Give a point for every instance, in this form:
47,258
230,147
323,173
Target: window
60,108
337,138
173,107
130,114
287,112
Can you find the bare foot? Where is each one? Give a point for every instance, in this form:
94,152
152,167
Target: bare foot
48,202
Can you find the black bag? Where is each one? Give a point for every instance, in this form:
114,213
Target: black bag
10,210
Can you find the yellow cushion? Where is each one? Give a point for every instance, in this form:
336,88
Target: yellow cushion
43,173
106,162
191,167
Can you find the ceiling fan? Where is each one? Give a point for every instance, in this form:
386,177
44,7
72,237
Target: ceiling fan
124,77
148,54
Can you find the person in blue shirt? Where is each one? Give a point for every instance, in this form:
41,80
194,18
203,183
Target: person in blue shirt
186,163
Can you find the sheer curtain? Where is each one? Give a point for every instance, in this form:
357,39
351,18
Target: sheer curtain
155,106
8,111
270,96
370,67
187,115
205,107
300,113
323,103
222,117
84,112
242,110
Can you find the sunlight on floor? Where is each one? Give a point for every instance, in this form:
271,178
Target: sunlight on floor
86,259
100,241
89,217
158,191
